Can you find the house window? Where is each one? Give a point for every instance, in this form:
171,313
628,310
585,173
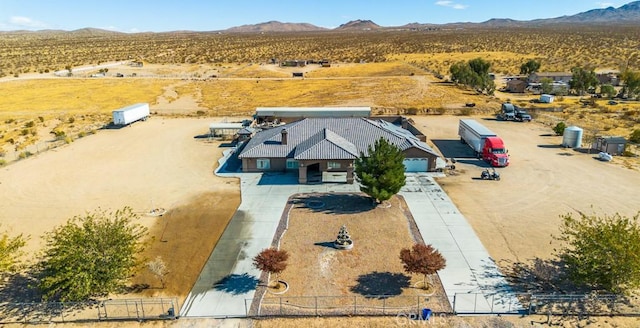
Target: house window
263,163
333,165
292,164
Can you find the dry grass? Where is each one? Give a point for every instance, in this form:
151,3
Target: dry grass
30,98
391,68
184,238
372,267
501,61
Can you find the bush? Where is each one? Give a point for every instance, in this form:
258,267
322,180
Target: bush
3,162
559,128
601,252
635,136
29,124
25,154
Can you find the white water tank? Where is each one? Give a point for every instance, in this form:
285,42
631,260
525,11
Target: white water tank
572,137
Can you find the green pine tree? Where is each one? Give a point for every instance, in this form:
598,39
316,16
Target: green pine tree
380,172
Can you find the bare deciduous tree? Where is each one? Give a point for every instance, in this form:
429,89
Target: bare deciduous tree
159,269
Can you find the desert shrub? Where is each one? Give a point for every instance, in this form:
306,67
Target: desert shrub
635,136
11,141
41,119
24,132
200,113
29,124
559,128
411,111
82,134
440,111
3,162
71,120
466,111
25,154
10,120
68,139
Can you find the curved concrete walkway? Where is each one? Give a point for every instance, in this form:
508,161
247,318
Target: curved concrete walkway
227,282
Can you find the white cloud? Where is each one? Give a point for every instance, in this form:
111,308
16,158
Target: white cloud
603,4
451,4
26,22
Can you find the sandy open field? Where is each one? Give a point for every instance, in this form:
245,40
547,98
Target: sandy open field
153,164
515,217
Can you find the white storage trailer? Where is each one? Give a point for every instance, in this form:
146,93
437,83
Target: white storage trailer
130,114
474,134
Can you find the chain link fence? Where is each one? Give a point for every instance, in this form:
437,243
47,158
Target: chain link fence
379,305
58,312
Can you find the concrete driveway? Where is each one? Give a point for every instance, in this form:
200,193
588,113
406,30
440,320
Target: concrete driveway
228,281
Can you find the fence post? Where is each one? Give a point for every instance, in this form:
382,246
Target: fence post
137,311
493,299
475,303
384,306
280,305
454,303
142,308
316,298
355,304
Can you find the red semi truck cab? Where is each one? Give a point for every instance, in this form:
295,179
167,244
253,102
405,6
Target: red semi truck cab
494,152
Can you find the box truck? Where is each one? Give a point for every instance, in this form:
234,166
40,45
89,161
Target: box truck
484,142
130,114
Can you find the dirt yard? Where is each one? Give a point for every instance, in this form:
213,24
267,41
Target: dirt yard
160,163
515,217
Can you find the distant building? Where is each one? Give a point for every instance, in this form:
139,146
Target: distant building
537,77
608,78
611,145
516,86
293,63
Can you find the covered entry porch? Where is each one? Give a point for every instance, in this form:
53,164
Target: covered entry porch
325,171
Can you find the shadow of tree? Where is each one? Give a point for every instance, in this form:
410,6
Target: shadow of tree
381,284
237,284
22,300
335,203
540,276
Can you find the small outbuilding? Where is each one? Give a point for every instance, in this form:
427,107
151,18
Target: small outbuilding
224,129
610,145
516,86
547,99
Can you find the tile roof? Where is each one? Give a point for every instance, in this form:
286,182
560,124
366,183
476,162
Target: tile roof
329,138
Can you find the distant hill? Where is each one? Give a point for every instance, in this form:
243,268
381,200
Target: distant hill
358,25
628,14
275,26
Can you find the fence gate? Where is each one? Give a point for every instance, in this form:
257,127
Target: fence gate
139,309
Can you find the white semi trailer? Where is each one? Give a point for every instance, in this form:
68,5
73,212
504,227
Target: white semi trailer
130,114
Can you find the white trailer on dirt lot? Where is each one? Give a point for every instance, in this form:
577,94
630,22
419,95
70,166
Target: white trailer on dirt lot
130,114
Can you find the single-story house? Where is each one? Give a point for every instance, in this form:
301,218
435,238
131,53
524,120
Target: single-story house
608,78
611,145
517,86
324,149
553,76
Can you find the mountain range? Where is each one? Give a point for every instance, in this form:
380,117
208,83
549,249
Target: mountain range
628,14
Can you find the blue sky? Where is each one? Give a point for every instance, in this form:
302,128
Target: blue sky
212,15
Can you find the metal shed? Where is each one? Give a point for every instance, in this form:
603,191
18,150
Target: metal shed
611,145
224,129
290,114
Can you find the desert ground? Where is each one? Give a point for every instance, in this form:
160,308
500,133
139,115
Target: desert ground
516,216
162,164
157,164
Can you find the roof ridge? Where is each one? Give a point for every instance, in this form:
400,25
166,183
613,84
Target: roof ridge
333,135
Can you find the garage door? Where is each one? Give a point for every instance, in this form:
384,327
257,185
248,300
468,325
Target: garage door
415,164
